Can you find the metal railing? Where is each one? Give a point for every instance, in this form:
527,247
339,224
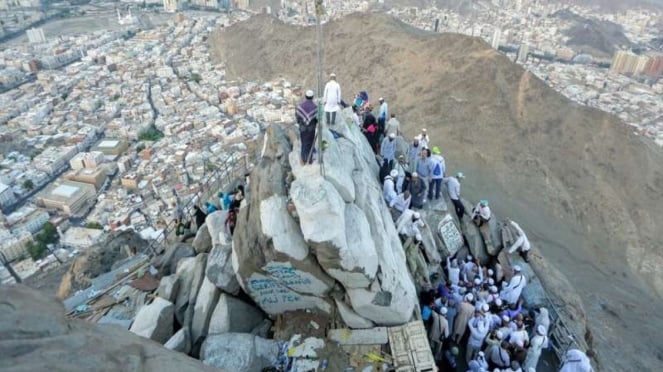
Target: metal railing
222,177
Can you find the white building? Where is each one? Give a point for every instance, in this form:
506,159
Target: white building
171,6
497,36
36,35
81,238
6,195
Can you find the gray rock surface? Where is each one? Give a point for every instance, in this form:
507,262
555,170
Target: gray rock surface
234,315
36,336
174,254
155,321
202,243
220,268
343,231
197,279
180,341
168,287
184,276
238,352
206,300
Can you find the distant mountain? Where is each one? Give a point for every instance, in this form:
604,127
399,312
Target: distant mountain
615,5
593,36
585,189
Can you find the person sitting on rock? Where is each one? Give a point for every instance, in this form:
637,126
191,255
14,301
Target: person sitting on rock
307,119
389,187
481,213
417,189
400,204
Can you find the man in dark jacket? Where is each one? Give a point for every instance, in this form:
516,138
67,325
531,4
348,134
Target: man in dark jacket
418,191
307,118
371,130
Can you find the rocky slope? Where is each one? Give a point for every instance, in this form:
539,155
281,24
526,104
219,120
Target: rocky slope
35,336
587,191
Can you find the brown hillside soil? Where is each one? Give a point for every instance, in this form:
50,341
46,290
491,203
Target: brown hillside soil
587,191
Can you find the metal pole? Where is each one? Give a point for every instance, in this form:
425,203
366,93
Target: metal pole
9,267
319,12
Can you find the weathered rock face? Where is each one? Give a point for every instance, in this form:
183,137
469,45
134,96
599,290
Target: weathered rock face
233,315
239,352
202,243
181,341
341,232
36,336
155,321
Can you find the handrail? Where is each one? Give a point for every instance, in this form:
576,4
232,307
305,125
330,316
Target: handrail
234,168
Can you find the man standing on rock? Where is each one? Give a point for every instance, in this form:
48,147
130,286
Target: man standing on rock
453,186
388,151
414,154
307,118
521,244
511,293
417,189
438,167
382,114
393,126
332,99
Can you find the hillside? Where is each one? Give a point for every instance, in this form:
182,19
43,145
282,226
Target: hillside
593,36
583,186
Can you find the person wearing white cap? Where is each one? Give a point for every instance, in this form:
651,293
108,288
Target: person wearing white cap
479,326
400,204
393,126
481,359
414,154
424,140
453,187
388,150
453,271
417,189
521,244
519,337
577,361
439,331
465,312
538,342
511,293
306,114
389,188
383,114
332,99
409,223
542,319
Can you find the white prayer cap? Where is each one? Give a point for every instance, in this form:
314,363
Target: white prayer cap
485,308
393,173
469,297
380,99
416,215
423,130
517,268
490,272
332,75
469,257
477,281
541,330
498,301
418,237
491,281
443,311
493,289
415,174
499,334
309,94
481,354
462,290
505,318
392,135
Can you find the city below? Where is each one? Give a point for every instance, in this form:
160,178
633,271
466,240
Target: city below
113,114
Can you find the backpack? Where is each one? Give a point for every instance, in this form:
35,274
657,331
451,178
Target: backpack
437,171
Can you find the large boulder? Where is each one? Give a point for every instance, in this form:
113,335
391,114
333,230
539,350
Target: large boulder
174,254
234,315
206,300
305,228
168,287
184,276
197,279
220,268
180,341
239,352
35,335
202,243
216,226
155,321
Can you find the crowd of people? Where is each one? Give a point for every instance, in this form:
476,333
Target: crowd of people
229,202
475,307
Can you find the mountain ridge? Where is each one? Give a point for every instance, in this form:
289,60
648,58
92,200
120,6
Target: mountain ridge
583,185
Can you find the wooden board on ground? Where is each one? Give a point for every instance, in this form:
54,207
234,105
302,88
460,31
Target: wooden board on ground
410,349
448,232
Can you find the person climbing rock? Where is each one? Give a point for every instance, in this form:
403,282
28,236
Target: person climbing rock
453,186
307,118
370,129
521,244
332,99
